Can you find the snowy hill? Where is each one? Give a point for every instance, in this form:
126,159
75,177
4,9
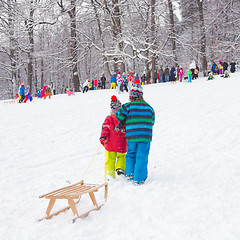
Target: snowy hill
193,188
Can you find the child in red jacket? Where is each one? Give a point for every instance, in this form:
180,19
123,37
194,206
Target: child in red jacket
114,142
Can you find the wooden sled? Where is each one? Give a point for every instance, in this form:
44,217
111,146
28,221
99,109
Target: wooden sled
72,193
13,101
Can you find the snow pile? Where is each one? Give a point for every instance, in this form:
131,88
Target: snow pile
194,166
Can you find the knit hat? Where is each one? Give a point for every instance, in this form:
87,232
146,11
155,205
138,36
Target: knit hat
137,90
115,104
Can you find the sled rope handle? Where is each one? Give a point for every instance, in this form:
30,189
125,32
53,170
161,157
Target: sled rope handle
91,161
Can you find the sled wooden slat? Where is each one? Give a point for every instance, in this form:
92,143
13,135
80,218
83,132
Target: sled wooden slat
69,192
74,191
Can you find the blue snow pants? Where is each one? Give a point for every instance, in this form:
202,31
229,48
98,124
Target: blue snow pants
137,161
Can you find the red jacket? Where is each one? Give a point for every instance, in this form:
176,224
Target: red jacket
115,140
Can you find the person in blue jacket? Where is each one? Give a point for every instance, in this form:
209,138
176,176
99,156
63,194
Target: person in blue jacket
136,77
113,81
21,93
172,74
38,93
214,68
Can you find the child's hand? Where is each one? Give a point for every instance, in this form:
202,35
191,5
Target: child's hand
117,129
103,141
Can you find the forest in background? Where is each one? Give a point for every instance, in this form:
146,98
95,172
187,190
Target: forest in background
69,41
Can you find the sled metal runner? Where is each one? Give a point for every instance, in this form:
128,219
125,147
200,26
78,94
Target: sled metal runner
72,193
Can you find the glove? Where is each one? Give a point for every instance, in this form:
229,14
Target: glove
103,141
120,125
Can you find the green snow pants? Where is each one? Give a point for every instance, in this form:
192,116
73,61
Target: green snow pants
111,164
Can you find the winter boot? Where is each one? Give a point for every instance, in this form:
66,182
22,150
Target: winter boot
120,171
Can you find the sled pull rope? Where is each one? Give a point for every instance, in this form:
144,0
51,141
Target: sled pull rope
91,161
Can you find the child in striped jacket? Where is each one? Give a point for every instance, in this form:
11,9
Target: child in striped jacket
138,118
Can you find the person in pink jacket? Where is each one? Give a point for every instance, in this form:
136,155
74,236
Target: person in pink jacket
180,73
119,82
95,84
43,91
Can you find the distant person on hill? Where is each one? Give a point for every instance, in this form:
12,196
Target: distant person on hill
192,66
38,93
95,83
166,74
125,82
103,81
114,142
210,76
233,67
148,77
44,91
130,77
180,74
53,90
172,74
21,93
214,69
113,82
226,74
220,67
136,77
119,82
225,66
195,75
48,92
138,117
86,85
28,97
189,76
92,84
161,74
155,76
143,79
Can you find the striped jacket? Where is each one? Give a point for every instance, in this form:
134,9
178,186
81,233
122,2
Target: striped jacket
139,118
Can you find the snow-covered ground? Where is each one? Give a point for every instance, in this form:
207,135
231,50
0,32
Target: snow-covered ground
193,188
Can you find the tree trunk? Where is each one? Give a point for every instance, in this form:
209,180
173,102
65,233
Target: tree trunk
203,37
42,74
29,26
117,34
101,38
173,32
73,44
13,51
147,41
153,39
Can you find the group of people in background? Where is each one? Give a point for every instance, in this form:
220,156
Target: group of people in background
123,81
24,94
221,69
